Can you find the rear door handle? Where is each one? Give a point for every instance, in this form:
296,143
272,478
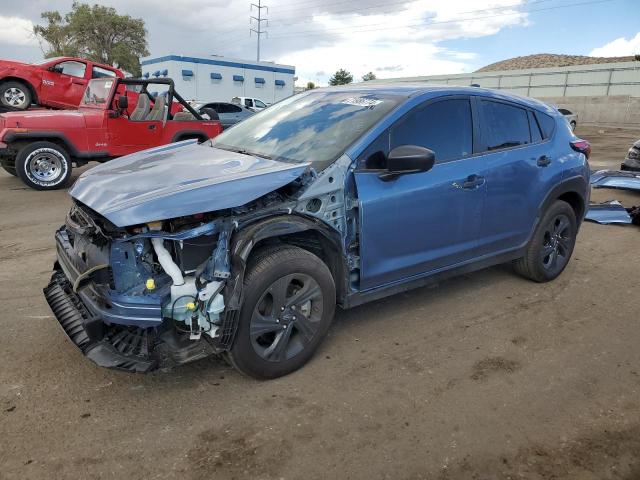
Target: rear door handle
543,161
470,183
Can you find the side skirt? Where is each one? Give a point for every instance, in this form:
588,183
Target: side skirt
359,298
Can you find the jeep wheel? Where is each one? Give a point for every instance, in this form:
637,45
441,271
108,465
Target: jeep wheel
551,246
288,305
43,166
15,95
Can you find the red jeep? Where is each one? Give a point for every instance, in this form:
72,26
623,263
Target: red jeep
56,82
116,117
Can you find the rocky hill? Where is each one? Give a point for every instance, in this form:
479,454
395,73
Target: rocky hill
544,60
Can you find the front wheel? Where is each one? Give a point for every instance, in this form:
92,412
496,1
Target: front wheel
551,245
43,166
288,305
15,95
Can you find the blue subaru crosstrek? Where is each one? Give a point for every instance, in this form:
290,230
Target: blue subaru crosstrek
244,245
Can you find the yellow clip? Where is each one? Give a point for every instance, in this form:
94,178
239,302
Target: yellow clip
151,284
190,306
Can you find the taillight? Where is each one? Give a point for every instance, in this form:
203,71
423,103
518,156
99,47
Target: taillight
581,146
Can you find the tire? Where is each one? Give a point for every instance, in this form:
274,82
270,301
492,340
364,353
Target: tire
15,95
43,166
271,342
573,125
551,245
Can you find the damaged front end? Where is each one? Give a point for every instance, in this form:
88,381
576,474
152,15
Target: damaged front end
142,297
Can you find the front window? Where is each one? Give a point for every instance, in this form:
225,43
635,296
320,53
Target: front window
72,68
316,127
98,92
260,104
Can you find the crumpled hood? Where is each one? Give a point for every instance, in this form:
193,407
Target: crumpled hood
176,180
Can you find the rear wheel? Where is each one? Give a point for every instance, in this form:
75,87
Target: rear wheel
15,95
43,166
288,306
551,246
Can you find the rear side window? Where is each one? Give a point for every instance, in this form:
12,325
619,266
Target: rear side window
536,134
99,72
505,125
547,124
444,127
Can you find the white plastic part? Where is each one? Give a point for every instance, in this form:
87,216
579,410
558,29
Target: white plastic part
167,263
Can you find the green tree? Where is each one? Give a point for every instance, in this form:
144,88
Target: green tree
341,77
311,85
94,32
369,76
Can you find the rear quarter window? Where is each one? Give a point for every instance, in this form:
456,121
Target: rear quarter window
547,124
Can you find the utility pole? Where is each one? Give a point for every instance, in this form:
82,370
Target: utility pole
257,27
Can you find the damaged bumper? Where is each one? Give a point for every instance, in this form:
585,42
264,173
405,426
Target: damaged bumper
110,329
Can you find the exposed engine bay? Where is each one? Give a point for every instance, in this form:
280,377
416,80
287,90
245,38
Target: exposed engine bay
162,293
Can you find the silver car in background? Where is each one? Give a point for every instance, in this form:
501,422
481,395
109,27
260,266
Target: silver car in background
228,113
571,117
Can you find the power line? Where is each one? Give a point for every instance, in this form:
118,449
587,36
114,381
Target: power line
429,23
258,23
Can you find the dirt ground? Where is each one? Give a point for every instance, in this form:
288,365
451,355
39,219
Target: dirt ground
487,376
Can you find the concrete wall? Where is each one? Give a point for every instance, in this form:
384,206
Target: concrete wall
613,109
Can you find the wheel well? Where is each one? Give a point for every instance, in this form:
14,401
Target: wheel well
575,200
188,136
316,243
34,95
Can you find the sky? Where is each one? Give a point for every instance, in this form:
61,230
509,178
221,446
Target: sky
391,38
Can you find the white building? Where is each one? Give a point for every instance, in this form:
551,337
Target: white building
209,79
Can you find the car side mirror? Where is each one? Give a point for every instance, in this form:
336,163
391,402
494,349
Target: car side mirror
408,159
123,102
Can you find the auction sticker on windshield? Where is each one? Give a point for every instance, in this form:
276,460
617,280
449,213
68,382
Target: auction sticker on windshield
361,102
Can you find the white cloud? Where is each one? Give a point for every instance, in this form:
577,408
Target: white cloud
620,47
401,43
17,31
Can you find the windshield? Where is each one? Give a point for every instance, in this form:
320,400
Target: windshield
98,92
316,127
47,60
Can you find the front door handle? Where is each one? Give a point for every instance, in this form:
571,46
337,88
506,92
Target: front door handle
151,127
543,161
470,183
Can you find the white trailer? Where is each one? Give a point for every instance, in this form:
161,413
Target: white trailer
219,79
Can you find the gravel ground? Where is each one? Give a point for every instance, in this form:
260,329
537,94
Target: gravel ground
486,376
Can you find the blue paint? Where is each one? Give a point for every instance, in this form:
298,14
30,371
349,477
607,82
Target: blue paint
216,76
156,73
259,80
223,63
187,73
238,78
155,185
280,83
165,72
624,180
608,212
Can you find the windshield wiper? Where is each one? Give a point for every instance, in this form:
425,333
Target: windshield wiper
242,151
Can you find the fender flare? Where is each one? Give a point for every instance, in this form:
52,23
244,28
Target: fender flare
182,134
245,239
575,185
53,135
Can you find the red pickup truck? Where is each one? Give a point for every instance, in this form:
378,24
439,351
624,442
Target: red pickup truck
116,117
56,82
